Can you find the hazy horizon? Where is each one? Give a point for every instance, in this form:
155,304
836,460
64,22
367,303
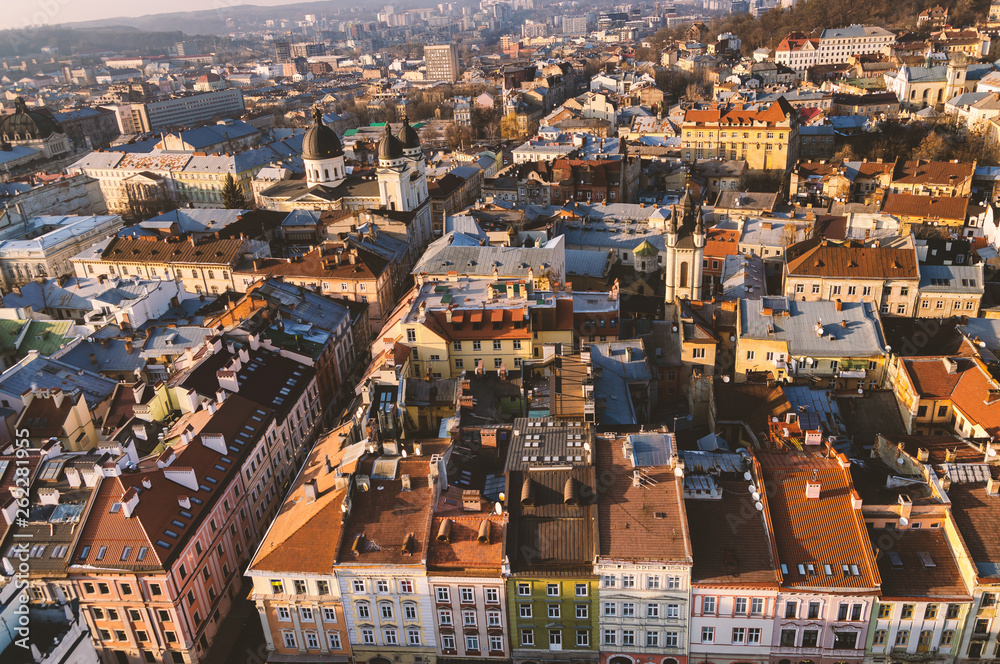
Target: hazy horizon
55,12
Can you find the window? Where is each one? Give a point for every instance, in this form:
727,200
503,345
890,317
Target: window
673,611
750,355
444,617
707,634
492,596
652,610
845,640
409,611
389,635
368,636
358,585
610,609
381,586
492,618
524,589
289,638
739,635
333,640
582,611
842,612
411,336
879,638
628,637
448,641
524,610
902,637
322,587
756,606
412,636
306,614
810,638
907,612
740,605
628,581
329,614
555,639
885,610
790,609
364,611
468,596
652,582
527,637
477,345
582,638
610,637
954,610
552,590
708,605
856,611
813,610
628,609
947,637
554,611
496,643
471,642
753,635
652,639
581,590
469,618
385,610
443,595
788,638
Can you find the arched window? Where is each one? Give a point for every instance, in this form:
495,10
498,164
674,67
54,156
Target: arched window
669,660
620,660
684,274
326,173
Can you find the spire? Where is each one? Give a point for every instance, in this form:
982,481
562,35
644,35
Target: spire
317,115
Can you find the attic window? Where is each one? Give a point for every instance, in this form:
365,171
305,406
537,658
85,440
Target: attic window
925,559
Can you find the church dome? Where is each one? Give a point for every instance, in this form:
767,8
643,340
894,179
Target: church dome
321,142
408,136
24,124
389,147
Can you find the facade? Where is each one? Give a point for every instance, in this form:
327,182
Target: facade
190,110
442,62
949,290
839,344
645,586
830,585
888,276
766,139
202,266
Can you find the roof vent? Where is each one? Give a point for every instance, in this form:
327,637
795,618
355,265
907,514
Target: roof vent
444,531
813,487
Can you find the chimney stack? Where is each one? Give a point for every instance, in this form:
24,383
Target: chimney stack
813,487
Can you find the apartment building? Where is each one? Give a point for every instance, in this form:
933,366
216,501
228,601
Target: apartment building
766,139
552,591
950,290
441,61
190,110
156,566
837,344
886,275
645,581
829,577
735,578
203,266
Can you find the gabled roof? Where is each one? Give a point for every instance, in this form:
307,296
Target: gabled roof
828,259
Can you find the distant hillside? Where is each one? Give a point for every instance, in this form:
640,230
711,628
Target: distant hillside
119,38
809,15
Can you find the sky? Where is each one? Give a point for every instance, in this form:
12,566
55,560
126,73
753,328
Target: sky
53,12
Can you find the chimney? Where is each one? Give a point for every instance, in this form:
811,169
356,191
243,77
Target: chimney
993,487
949,455
129,501
923,454
444,531
813,487
312,491
471,500
905,506
128,346
405,479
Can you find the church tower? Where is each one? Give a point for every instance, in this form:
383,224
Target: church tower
393,173
322,154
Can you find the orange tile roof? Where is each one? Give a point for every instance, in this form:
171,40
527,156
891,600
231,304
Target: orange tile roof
639,523
968,388
291,541
941,173
845,261
817,532
208,251
976,515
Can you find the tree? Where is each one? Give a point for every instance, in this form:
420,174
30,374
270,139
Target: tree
509,127
932,148
233,197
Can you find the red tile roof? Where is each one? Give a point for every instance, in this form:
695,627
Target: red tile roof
828,259
950,208
969,387
640,523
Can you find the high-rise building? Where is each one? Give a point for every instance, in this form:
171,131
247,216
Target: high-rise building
442,62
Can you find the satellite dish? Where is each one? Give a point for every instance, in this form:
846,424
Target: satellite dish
991,452
747,476
732,337
774,419
888,348
586,446
982,344
903,521
371,449
759,505
756,496
713,493
404,454
725,379
678,471
752,488
900,461
498,508
502,496
861,390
